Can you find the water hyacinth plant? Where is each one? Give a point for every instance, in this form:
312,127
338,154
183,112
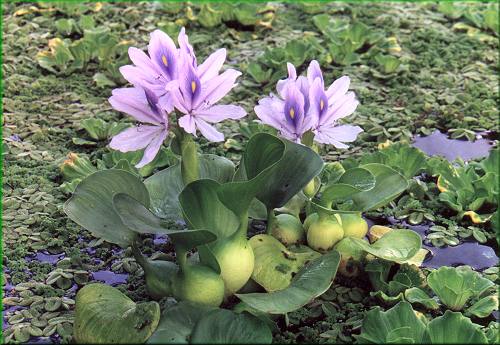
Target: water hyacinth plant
174,98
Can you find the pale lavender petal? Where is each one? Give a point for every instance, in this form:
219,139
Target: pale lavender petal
133,74
166,102
132,101
209,131
189,86
186,48
318,100
338,88
187,122
152,149
344,107
211,66
308,122
294,105
337,135
172,89
292,76
135,138
218,113
313,72
217,87
163,53
270,112
141,60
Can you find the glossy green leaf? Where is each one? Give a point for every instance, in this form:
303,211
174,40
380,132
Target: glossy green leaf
310,282
456,285
203,209
484,307
139,219
284,167
104,315
165,186
453,328
389,185
177,323
351,182
275,265
416,295
398,325
398,245
222,326
91,205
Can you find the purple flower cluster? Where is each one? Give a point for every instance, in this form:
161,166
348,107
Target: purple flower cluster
169,78
304,105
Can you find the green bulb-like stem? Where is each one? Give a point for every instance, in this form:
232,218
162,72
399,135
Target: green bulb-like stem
271,220
189,159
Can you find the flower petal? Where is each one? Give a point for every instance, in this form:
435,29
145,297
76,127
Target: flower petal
292,76
141,60
313,72
152,149
337,135
135,138
163,53
209,131
186,48
218,113
270,112
216,88
344,106
133,102
211,66
188,124
338,88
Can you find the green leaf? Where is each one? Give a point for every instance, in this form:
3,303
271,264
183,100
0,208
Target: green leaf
397,245
396,325
165,186
283,168
139,219
455,286
416,295
389,185
403,158
177,323
91,206
310,282
203,209
351,182
223,326
484,307
104,315
275,265
453,328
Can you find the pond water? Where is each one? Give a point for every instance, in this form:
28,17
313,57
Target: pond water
110,277
438,144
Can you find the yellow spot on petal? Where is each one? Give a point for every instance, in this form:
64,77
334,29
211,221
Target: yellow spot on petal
321,105
193,86
164,60
292,113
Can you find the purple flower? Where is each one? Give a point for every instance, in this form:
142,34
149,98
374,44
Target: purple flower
143,105
156,70
321,109
327,107
199,87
